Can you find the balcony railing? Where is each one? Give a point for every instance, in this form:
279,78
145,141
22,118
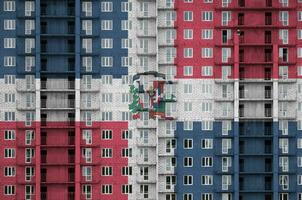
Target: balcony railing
66,85
67,103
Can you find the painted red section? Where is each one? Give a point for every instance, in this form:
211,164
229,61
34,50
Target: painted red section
253,42
58,163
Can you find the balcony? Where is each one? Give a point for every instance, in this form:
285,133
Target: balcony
58,85
21,105
59,104
149,142
69,122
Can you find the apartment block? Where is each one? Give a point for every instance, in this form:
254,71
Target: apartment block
151,99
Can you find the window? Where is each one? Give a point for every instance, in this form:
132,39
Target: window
9,116
284,181
126,134
87,8
127,62
207,16
188,34
29,63
283,35
9,6
226,162
107,43
29,26
299,52
206,125
29,136
87,173
29,8
226,54
29,45
283,72
188,144
107,61
9,171
207,196
299,34
9,135
207,143
299,143
188,70
207,34
126,171
206,162
206,180
188,180
226,145
9,190
9,24
87,136
226,18
9,153
87,26
299,16
188,162
86,191
106,25
107,79
9,79
107,116
126,43
208,1
283,17
188,16
299,179
9,61
87,63
87,45
107,134
29,154
206,88
188,196
9,43
107,189
106,6
207,52
299,161
87,81
283,145
126,25
188,125
284,163
187,106
299,196
126,189
126,6
106,171
188,52
206,106
126,115
9,98
106,153
207,71
226,181
188,88
127,153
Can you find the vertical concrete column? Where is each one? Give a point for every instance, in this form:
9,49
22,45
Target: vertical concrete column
38,112
236,115
77,100
275,120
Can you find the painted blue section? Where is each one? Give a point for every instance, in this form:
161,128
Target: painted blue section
57,35
255,160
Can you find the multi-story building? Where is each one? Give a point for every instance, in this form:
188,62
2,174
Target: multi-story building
155,100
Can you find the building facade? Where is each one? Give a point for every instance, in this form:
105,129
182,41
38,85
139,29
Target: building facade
155,100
